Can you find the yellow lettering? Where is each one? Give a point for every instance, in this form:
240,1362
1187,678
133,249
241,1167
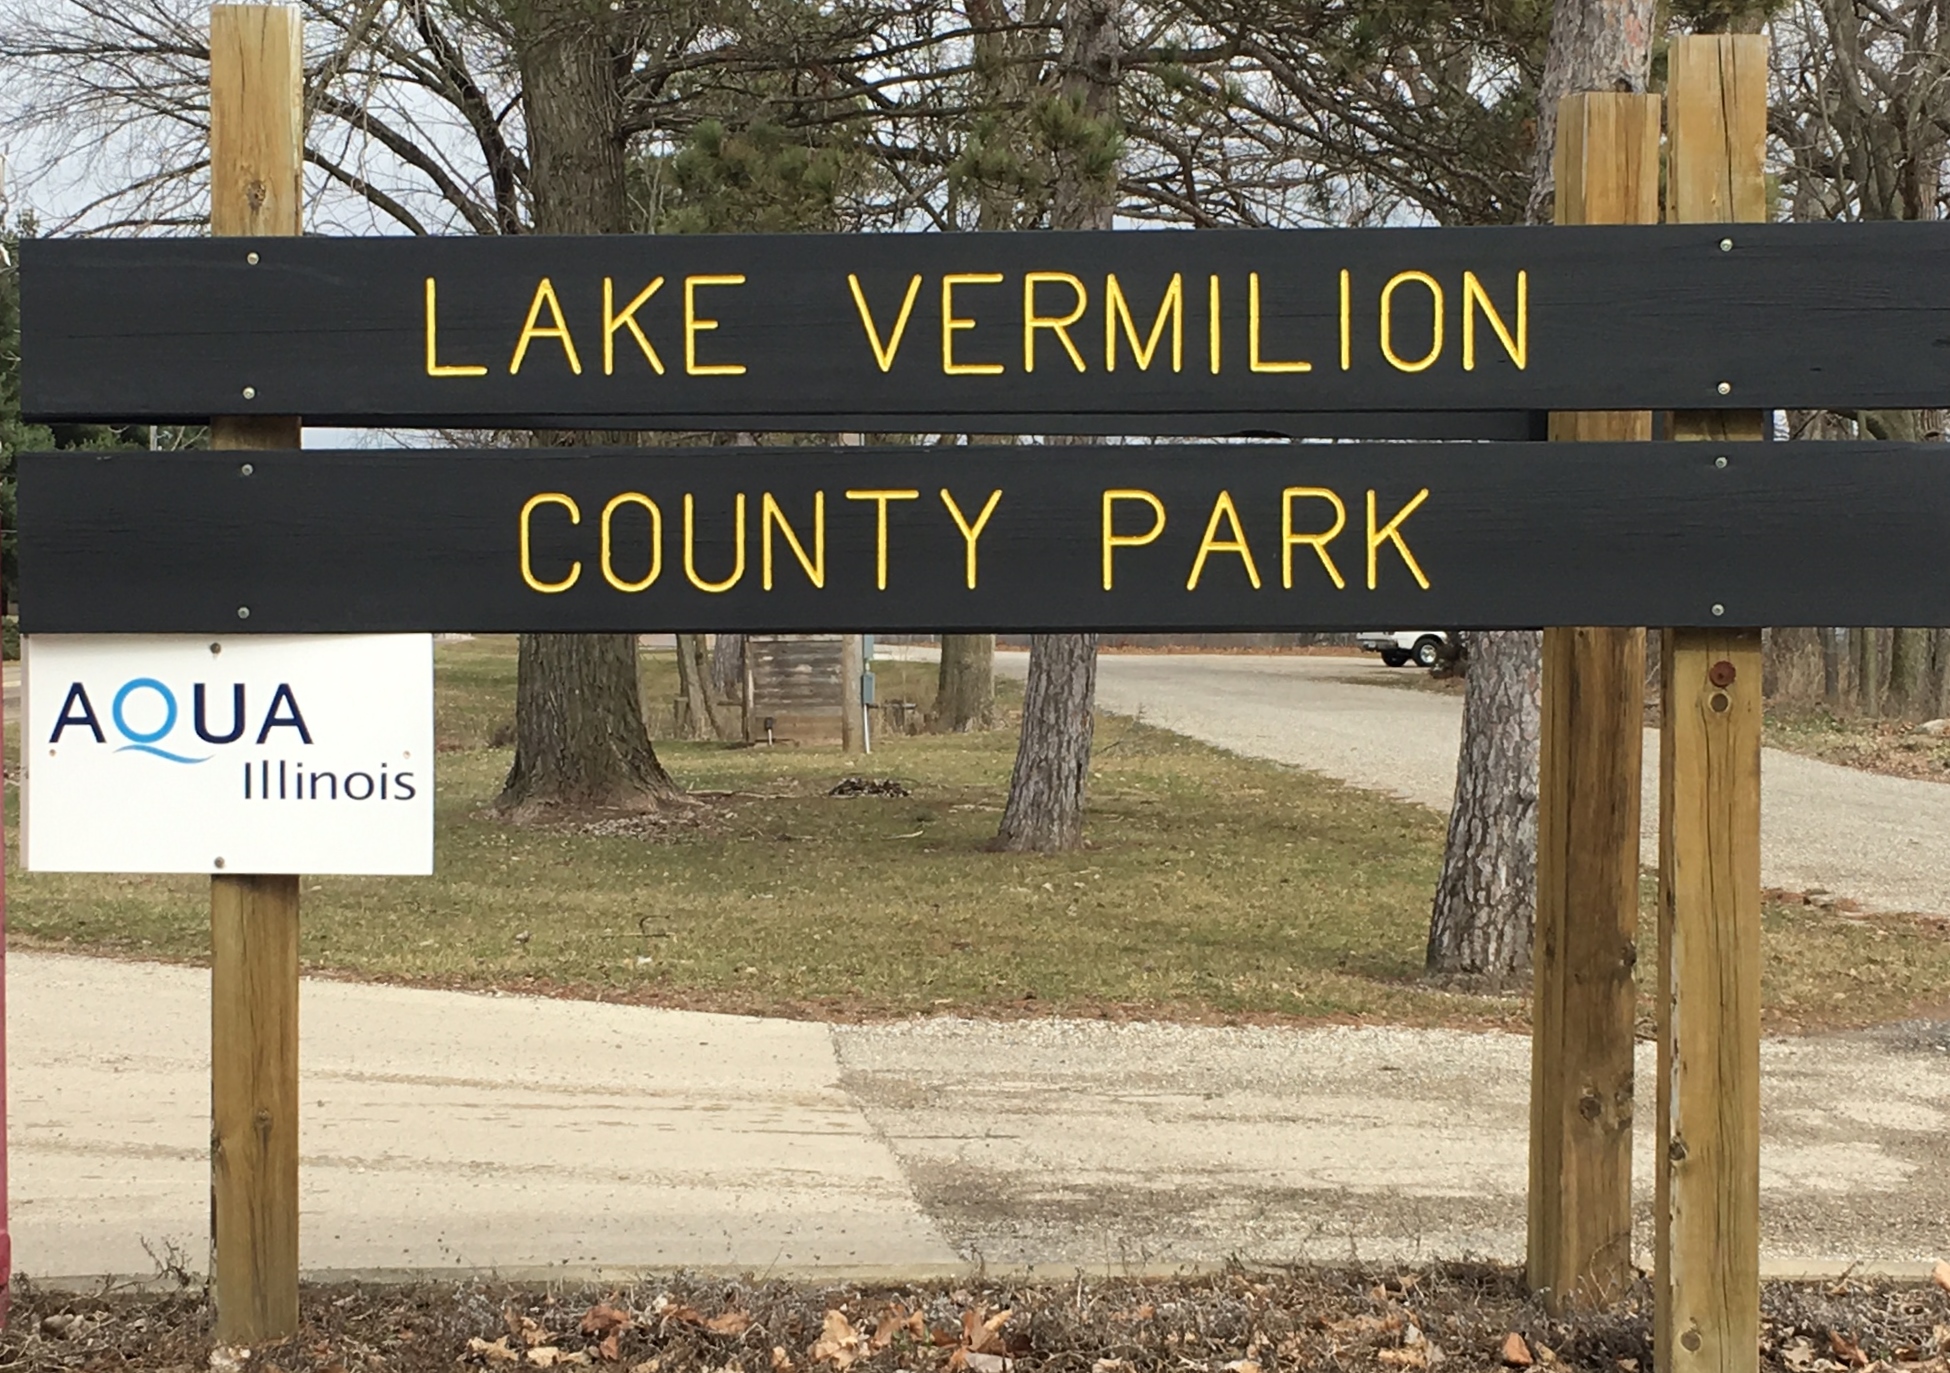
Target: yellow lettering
1318,542
690,546
950,325
1118,310
880,499
1388,322
1056,324
970,533
1212,323
627,320
769,514
1113,540
884,354
694,324
1236,544
1347,322
527,568
1473,296
545,295
1253,359
435,368
1392,533
656,541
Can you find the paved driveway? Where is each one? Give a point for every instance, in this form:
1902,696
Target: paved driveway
1883,840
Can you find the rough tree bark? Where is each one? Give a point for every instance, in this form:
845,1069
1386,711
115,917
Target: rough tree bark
1486,899
1595,45
1867,646
1048,787
579,732
1044,812
964,693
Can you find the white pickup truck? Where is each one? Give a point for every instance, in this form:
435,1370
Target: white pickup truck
1423,647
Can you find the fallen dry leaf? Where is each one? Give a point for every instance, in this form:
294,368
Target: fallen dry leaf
982,1334
893,1321
646,1366
523,1329
1113,1366
497,1352
1847,1350
610,1350
1545,1354
838,1342
1243,1366
1357,1327
1940,1275
603,1319
1403,1358
1515,1353
732,1322
781,1361
975,1361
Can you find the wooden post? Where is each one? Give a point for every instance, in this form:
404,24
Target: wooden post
1592,731
1707,1267
852,710
256,188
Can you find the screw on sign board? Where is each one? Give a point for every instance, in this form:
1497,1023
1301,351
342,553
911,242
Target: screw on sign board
240,754
1130,537
1120,332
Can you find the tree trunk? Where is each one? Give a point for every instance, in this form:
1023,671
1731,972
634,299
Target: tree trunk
1940,709
1486,900
728,666
1868,671
964,693
1048,787
579,731
1595,45
1046,790
1909,672
1831,668
694,677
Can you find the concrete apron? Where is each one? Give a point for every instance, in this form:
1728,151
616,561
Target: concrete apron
467,1135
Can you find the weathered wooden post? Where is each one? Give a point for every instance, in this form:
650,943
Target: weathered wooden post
1580,1242
257,83
1708,1221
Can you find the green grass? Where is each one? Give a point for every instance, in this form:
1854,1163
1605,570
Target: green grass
1213,887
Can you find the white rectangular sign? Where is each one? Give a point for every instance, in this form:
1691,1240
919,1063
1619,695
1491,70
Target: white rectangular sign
254,754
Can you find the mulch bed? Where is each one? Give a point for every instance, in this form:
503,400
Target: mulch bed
1451,1317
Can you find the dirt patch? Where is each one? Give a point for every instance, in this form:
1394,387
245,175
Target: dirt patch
1894,748
1459,1318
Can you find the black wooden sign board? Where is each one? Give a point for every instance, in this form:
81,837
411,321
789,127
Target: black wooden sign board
1130,537
1031,332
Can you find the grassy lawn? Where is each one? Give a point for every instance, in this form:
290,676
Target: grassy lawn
1214,887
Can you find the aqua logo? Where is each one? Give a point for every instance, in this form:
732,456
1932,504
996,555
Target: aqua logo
145,713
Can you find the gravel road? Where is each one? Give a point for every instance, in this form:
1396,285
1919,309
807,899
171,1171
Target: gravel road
1884,841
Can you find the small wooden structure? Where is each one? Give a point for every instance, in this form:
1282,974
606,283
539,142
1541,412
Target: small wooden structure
807,686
